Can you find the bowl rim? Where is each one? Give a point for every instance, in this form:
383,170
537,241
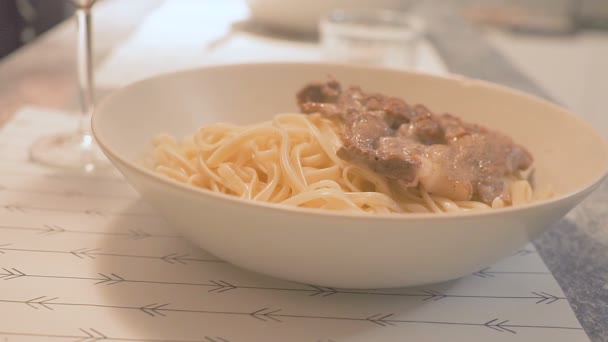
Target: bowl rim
150,174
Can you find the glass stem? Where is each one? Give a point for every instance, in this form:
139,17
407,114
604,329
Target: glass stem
85,68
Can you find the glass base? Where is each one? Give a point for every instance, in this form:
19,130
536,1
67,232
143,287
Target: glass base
74,151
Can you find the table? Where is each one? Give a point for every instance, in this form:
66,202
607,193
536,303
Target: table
43,73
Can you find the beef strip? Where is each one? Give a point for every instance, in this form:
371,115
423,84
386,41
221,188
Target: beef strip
411,144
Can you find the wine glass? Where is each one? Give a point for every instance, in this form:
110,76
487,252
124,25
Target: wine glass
76,150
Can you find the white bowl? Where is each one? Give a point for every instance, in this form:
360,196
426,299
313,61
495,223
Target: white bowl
332,248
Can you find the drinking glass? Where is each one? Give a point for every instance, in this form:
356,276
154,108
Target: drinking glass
78,149
371,36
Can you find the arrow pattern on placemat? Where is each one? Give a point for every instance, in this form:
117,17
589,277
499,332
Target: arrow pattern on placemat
111,279
221,286
94,335
546,298
91,212
67,177
66,193
489,273
92,253
214,339
381,319
84,253
266,314
41,302
53,229
499,326
13,273
277,315
180,258
14,208
154,309
434,295
323,291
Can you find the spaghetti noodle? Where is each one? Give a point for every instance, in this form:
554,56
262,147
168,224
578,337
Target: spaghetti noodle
292,160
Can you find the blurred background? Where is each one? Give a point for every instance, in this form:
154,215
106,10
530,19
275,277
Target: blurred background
562,45
21,21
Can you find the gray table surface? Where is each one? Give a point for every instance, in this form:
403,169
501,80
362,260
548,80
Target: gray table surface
576,248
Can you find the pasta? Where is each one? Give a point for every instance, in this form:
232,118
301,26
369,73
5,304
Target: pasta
292,160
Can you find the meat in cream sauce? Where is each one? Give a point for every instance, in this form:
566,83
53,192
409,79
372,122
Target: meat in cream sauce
449,157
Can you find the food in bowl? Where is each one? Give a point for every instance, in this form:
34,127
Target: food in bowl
352,150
